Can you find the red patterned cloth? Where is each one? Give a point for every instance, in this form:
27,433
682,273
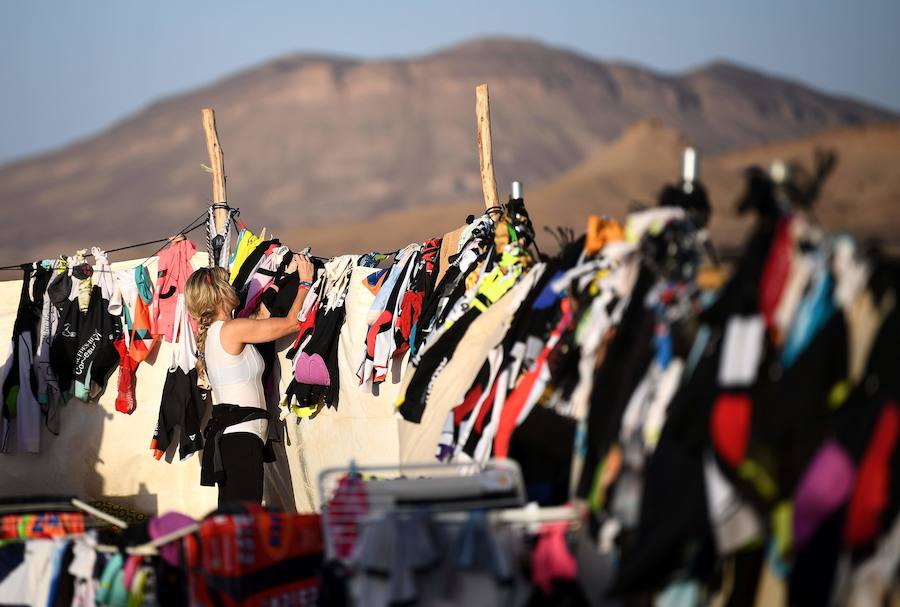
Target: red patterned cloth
346,508
43,525
253,558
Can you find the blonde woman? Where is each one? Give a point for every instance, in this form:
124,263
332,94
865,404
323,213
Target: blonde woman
236,444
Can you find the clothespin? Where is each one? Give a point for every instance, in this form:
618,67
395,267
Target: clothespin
516,191
262,235
176,238
779,171
690,169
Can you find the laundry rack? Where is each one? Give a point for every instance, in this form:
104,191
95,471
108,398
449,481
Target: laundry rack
447,491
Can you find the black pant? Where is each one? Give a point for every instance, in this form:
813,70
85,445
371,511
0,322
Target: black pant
242,459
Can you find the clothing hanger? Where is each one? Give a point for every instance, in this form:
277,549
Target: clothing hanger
497,483
531,515
117,522
152,548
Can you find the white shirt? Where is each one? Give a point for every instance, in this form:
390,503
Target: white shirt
236,379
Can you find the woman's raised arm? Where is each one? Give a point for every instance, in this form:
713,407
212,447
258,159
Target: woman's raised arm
240,331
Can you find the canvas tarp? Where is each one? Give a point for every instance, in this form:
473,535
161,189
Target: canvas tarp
101,453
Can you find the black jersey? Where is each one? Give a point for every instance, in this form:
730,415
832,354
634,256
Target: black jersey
83,353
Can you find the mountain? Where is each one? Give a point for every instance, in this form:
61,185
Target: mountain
861,196
863,193
321,141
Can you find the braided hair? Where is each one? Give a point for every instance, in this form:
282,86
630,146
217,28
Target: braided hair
206,291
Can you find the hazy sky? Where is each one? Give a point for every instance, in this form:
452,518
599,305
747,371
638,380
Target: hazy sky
70,68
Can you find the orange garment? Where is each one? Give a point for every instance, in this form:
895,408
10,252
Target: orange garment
143,338
41,525
600,232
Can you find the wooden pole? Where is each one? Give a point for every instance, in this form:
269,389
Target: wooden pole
486,163
485,153
217,164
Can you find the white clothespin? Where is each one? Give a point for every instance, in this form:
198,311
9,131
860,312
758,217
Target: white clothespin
690,169
517,191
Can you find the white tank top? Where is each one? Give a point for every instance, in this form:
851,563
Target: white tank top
236,380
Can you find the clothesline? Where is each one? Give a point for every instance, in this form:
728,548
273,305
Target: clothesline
195,223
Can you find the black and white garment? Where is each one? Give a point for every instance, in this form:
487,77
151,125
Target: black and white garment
83,354
316,380
218,243
183,403
21,411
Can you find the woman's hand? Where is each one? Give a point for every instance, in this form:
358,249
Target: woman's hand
304,267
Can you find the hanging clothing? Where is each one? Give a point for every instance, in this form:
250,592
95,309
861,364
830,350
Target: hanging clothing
316,381
246,242
126,400
172,271
252,263
183,404
21,413
48,392
138,311
451,292
264,277
219,242
132,298
82,352
381,346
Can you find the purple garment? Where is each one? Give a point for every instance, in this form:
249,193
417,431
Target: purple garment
164,525
825,485
311,369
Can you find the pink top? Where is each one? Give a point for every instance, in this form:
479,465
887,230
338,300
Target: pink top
172,271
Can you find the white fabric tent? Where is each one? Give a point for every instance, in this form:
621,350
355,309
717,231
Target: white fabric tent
101,453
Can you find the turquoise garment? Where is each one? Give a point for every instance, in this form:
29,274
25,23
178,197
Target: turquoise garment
679,594
111,573
697,350
144,284
815,310
236,246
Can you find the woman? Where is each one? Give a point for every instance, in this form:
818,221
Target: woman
236,433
